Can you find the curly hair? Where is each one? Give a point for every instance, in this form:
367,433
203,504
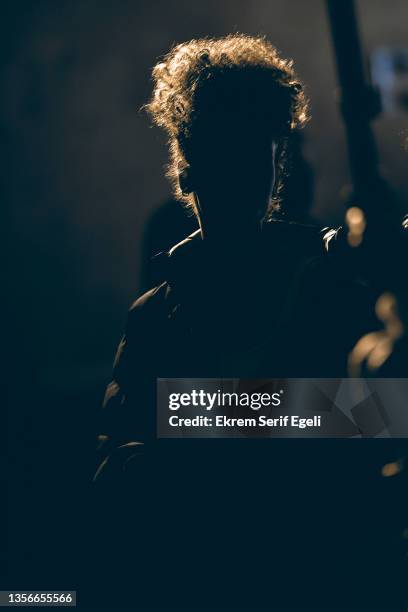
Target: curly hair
200,83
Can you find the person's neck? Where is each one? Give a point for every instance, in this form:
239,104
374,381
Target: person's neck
231,233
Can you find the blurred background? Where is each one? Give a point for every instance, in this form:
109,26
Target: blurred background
83,173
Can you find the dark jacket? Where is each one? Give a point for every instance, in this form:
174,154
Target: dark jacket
288,308
295,307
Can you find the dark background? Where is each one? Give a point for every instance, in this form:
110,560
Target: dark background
82,172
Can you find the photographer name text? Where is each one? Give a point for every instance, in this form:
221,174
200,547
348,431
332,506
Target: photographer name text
259,421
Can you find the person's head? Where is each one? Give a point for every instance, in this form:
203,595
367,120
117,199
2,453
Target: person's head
228,106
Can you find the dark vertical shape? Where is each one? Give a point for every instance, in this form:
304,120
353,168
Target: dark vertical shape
359,101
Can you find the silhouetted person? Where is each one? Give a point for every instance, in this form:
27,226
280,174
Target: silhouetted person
168,224
297,192
243,295
171,222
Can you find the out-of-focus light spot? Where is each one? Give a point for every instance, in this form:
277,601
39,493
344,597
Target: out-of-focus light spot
361,352
386,309
392,469
379,354
385,306
375,348
354,240
356,224
354,216
366,344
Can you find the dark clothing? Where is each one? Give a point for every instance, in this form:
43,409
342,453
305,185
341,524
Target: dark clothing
284,308
238,513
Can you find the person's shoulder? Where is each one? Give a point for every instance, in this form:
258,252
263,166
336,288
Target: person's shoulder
306,239
146,308
149,298
157,299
